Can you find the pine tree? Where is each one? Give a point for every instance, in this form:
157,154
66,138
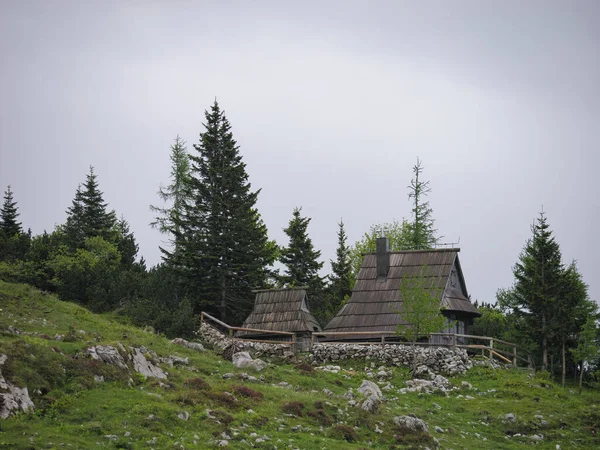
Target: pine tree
9,215
176,194
126,243
223,248
301,261
340,281
538,277
422,226
88,215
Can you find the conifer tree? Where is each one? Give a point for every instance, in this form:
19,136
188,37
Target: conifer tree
126,243
88,215
538,277
301,261
9,215
223,248
340,286
422,225
175,194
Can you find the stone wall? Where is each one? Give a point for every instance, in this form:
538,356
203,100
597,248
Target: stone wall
437,359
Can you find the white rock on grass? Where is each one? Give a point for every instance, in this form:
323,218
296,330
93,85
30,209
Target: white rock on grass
184,343
411,423
16,399
145,367
108,354
243,360
370,389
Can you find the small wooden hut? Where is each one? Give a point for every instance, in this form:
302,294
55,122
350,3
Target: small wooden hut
376,298
282,310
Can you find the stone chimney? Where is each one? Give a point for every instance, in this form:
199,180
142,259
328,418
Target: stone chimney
383,258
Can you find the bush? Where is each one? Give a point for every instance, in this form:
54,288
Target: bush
245,391
344,432
293,408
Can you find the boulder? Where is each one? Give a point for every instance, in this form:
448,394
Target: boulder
243,360
184,343
12,398
108,354
371,404
370,389
145,367
411,423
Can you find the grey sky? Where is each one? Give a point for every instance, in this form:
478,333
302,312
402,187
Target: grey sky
331,103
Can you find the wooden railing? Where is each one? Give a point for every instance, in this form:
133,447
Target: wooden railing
505,351
229,330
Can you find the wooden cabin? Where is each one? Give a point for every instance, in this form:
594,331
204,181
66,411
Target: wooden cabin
376,298
282,310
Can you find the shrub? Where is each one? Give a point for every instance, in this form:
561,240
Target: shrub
197,383
321,417
344,432
221,416
245,391
294,408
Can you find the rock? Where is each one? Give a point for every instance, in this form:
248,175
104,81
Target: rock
510,417
537,437
327,392
108,354
184,343
228,375
371,404
15,399
173,360
436,406
466,385
145,367
98,378
243,360
370,389
111,437
184,415
439,429
411,423
223,443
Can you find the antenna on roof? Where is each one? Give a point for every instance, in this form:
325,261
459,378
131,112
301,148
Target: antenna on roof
447,244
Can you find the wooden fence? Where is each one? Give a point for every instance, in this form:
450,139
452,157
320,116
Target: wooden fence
505,351
229,330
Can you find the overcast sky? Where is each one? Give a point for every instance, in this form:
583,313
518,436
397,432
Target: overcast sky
331,103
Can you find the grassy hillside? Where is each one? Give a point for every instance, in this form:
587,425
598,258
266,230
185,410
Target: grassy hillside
73,410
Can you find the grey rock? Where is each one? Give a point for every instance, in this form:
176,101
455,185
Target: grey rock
439,429
510,417
108,354
228,375
371,404
184,415
243,360
223,443
145,367
184,343
98,378
411,423
15,399
370,389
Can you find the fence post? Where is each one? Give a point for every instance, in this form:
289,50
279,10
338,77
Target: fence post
515,356
294,343
382,339
454,341
230,332
312,340
491,348
201,318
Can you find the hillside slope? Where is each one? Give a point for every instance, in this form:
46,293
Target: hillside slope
84,403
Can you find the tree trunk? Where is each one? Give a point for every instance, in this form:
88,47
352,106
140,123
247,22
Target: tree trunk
544,344
564,363
580,377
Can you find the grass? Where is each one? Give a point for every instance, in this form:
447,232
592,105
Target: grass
128,411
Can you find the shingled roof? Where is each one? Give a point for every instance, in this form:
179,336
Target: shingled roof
281,310
376,299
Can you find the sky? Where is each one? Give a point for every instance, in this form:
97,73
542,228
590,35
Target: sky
331,103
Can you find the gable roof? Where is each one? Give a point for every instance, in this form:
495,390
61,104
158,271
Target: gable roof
374,302
281,310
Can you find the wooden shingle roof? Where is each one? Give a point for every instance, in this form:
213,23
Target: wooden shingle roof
374,303
281,310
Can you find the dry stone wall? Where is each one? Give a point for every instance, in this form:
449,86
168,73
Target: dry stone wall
442,360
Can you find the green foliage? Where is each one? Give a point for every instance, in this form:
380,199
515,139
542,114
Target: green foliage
586,349
422,231
420,313
223,248
175,196
339,287
301,262
9,214
491,323
399,237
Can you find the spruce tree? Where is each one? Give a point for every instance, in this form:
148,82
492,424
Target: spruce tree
340,280
538,276
88,215
9,215
422,225
126,243
301,261
223,248
175,194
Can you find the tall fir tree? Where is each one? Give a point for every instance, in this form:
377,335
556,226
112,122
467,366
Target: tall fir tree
223,247
9,215
301,261
340,280
174,196
88,215
538,285
126,243
423,233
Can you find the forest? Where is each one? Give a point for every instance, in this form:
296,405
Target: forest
219,251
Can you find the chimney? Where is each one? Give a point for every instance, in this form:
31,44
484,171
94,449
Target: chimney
383,258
